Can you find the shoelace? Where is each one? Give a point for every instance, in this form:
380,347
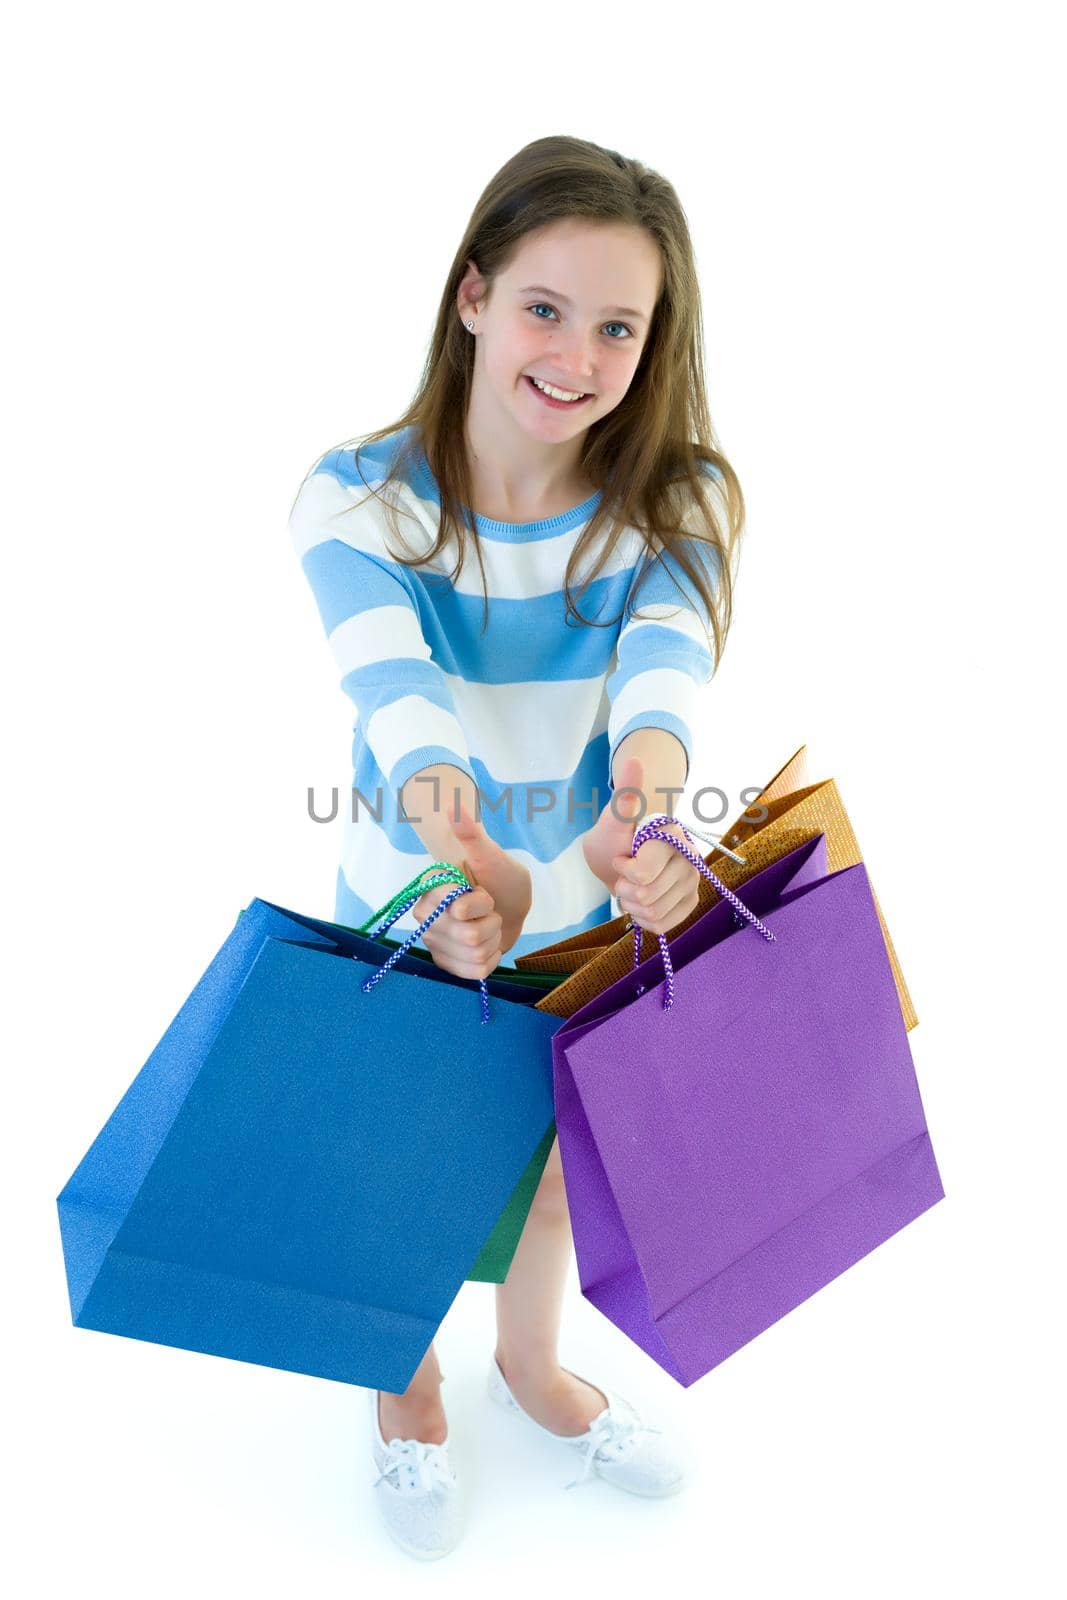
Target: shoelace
425,1465
604,1433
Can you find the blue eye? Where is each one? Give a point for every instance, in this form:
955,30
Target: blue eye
543,305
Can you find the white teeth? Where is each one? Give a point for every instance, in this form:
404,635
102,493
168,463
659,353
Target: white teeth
557,394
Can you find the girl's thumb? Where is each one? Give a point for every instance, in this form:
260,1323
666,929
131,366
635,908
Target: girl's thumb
465,828
628,789
629,803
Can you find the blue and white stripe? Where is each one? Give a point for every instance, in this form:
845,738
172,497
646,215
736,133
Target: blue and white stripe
536,705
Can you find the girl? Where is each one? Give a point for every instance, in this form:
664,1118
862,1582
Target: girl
563,398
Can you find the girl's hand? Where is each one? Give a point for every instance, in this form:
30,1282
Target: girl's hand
657,887
470,937
465,939
507,881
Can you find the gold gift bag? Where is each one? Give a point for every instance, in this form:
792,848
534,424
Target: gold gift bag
796,812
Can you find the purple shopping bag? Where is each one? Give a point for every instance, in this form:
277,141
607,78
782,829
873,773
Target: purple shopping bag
727,1157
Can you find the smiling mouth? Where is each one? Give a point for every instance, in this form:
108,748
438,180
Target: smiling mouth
534,384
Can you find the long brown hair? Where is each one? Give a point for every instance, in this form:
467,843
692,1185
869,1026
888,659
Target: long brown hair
655,458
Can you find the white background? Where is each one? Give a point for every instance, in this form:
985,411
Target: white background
231,225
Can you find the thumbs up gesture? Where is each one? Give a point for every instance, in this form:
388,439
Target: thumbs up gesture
658,887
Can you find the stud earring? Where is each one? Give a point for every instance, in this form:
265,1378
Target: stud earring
470,324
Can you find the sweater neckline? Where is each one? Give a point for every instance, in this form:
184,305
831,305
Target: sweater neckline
493,528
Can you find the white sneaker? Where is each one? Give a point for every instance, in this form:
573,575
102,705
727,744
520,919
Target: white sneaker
617,1444
416,1490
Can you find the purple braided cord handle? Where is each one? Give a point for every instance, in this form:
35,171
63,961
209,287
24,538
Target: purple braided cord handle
651,829
442,905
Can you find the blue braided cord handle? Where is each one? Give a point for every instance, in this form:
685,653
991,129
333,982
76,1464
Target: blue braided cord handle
439,872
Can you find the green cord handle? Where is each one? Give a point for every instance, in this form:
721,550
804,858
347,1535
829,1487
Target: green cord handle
445,873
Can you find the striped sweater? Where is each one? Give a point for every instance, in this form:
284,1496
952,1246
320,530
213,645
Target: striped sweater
532,709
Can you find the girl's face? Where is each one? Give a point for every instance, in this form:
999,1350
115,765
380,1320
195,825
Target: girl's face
574,310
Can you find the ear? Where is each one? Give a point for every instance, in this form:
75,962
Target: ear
470,294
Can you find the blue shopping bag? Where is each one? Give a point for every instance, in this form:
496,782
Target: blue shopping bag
308,1164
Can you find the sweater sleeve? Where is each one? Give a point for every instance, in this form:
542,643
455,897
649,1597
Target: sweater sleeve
368,606
663,657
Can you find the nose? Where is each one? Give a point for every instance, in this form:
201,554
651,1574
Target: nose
574,359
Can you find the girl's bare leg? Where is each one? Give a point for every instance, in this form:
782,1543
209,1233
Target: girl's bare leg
528,1309
418,1412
